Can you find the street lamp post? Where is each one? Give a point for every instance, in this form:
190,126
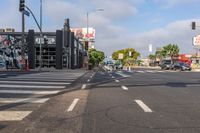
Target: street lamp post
87,36
97,10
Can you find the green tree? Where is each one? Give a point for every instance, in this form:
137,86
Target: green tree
152,57
170,50
96,57
127,59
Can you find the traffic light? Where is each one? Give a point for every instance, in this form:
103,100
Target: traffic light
21,5
86,45
193,25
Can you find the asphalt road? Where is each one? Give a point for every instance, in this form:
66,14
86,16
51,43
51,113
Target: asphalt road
141,101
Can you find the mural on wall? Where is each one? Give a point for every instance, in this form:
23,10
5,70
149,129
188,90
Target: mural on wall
10,51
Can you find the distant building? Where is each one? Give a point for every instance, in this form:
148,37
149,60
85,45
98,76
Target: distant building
2,30
7,30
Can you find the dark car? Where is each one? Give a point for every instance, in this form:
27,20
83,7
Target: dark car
166,64
181,66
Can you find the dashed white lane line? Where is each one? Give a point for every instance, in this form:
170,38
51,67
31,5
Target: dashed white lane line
13,115
88,80
117,81
124,88
143,106
72,106
83,86
113,77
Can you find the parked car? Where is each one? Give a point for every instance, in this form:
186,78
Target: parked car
119,66
166,64
181,66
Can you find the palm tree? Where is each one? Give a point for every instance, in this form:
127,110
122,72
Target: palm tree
170,50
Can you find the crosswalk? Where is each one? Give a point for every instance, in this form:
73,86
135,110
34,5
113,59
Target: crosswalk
154,71
123,73
22,93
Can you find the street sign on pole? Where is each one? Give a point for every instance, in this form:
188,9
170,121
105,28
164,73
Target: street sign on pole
26,13
150,48
130,54
120,56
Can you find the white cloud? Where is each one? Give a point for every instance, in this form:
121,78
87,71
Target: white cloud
178,32
171,3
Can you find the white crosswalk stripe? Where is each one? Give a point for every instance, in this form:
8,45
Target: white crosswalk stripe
30,90
154,71
122,74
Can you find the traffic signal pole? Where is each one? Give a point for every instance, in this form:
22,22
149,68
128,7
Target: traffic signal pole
23,41
21,9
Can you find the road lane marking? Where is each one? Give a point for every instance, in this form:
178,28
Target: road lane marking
83,86
72,106
113,77
88,80
116,80
140,71
29,92
23,100
143,106
32,86
149,71
124,88
13,115
26,82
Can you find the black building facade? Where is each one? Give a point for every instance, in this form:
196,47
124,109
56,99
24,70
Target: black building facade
60,49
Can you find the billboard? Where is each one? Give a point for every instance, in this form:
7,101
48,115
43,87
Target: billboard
81,33
196,40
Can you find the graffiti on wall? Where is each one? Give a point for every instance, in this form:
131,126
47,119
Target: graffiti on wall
10,51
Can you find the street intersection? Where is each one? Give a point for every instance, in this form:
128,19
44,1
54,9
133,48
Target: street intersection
140,101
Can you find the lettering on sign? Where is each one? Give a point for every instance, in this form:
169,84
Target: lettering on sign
51,40
196,40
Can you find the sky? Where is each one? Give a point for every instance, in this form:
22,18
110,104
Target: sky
122,24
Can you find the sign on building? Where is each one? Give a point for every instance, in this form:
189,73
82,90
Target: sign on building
81,33
196,40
